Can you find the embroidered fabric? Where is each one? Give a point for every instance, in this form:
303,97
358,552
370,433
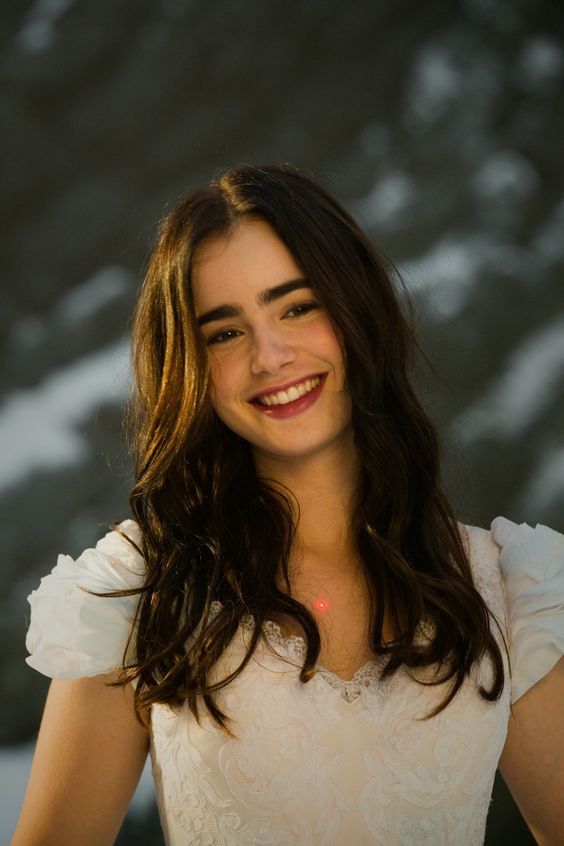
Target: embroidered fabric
331,761
295,649
328,762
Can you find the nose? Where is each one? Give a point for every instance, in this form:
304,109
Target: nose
270,352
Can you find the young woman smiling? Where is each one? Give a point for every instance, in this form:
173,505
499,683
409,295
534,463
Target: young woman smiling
316,650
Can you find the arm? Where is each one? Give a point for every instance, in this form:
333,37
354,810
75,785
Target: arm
532,762
89,757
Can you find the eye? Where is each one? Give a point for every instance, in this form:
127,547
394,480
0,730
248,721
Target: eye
301,308
297,310
223,336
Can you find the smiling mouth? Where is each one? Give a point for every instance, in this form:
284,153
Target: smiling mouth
291,394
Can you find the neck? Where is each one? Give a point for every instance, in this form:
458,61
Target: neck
324,486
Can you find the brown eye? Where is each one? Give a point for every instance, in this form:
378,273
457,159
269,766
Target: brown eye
222,337
301,308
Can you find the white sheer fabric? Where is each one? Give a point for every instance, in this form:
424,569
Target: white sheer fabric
329,762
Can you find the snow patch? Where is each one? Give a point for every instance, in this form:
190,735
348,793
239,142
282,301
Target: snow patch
547,485
505,174
39,426
522,392
540,64
39,26
435,84
82,302
75,307
389,198
446,274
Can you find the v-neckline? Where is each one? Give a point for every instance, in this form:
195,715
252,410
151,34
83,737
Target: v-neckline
295,648
294,645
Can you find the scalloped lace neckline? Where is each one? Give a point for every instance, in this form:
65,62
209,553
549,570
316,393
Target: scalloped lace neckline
295,647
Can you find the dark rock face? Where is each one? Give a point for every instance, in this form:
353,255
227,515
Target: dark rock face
438,124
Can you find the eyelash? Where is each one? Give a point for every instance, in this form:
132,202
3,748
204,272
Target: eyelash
306,306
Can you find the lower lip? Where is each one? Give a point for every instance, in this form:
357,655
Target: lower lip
290,409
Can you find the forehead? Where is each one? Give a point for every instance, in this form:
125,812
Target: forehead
249,258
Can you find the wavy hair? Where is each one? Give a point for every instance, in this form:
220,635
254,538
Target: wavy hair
214,532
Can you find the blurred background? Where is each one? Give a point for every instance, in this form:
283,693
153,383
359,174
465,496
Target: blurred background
438,124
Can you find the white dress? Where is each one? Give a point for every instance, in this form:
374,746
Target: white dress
330,762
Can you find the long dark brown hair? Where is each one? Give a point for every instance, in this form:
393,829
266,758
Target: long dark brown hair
212,530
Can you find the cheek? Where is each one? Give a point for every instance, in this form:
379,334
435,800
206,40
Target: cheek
218,382
330,346
225,381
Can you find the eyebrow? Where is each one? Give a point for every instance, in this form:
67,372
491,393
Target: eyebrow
266,297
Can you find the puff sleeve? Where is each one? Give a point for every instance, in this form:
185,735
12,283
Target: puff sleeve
531,561
73,634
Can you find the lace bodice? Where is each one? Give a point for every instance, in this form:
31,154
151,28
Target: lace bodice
329,762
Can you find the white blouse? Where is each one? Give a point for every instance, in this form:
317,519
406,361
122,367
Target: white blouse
330,762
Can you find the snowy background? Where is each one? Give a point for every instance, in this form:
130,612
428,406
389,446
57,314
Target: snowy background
439,124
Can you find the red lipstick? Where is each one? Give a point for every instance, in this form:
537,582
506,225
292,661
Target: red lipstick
274,389
290,409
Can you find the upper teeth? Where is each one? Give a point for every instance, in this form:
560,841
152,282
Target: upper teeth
293,393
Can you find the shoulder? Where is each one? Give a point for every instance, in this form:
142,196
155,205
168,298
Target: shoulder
521,554
528,553
74,632
528,563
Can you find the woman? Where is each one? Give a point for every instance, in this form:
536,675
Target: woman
314,647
